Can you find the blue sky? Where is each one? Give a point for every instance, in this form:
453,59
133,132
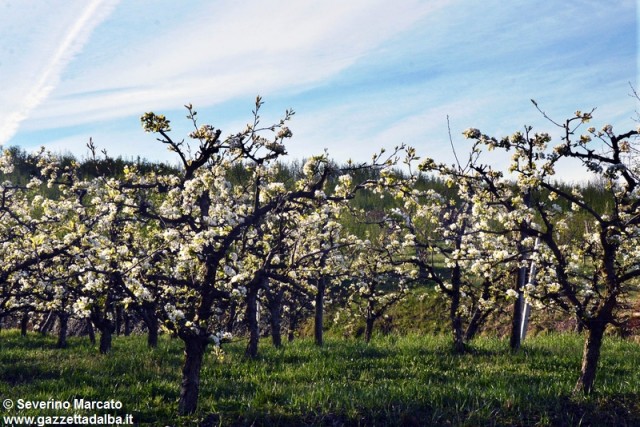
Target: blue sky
360,75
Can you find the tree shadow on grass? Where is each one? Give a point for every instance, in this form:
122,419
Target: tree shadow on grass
23,373
13,340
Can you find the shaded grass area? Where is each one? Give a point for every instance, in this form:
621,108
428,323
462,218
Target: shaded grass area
410,380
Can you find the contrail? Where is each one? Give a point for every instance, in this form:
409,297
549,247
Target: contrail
74,40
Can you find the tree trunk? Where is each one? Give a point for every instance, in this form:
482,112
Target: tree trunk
458,335
319,313
474,325
24,323
105,338
590,357
91,332
515,340
64,327
368,332
516,321
47,324
276,330
293,325
152,334
252,322
118,320
479,315
106,328
454,310
150,320
275,311
190,388
472,328
127,323
232,317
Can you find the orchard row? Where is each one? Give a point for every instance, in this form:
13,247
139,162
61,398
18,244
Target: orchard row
195,253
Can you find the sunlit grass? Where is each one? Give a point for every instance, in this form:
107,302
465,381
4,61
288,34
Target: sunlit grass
411,380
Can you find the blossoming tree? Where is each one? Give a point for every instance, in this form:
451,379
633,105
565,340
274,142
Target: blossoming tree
591,273
207,225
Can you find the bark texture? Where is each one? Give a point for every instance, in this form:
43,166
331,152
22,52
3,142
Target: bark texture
590,358
190,388
252,323
62,332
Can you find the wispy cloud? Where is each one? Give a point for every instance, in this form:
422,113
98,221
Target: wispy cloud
360,74
220,51
68,46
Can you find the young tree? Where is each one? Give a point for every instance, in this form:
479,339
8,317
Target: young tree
449,244
594,290
205,221
379,276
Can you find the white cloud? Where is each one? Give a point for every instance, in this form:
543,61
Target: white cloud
50,63
361,74
218,52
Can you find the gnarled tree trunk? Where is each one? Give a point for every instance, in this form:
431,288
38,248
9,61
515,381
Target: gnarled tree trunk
106,328
152,332
479,315
24,323
63,317
148,314
252,322
590,357
194,348
275,312
293,324
106,333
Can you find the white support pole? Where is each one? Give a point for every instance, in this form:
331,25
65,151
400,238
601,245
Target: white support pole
526,309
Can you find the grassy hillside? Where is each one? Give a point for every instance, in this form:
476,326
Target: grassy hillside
395,380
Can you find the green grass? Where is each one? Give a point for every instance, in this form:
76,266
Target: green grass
395,380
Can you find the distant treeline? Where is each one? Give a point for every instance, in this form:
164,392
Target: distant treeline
26,167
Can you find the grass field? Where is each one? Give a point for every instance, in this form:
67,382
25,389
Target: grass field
395,380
